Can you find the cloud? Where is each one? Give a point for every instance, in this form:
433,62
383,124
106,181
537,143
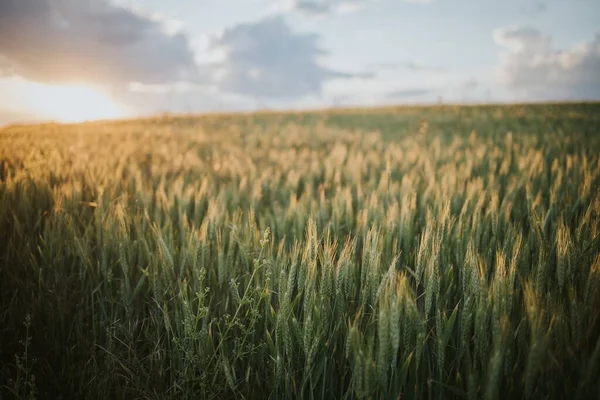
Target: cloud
412,66
324,7
312,7
178,87
534,8
469,85
540,7
459,91
327,7
404,93
533,67
425,68
268,59
8,117
59,41
414,95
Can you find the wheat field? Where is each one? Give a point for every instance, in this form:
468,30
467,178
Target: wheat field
392,253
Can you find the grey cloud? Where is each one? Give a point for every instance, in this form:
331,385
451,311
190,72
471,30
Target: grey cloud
540,7
534,8
182,102
469,85
533,67
425,68
268,59
323,7
89,41
411,66
404,93
312,7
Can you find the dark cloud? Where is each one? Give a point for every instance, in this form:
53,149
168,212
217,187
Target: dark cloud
89,41
533,67
268,59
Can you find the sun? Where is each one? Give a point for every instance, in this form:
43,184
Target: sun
72,103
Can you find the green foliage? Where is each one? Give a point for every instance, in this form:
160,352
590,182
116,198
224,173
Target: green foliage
390,253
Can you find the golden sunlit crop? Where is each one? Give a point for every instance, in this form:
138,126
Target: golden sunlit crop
72,103
441,252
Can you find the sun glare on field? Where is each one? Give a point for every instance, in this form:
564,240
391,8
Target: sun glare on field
72,103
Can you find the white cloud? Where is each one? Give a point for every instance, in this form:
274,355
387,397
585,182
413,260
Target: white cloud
533,67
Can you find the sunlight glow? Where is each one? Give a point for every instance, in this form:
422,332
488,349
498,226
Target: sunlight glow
72,103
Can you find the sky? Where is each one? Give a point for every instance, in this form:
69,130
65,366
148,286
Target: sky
72,60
